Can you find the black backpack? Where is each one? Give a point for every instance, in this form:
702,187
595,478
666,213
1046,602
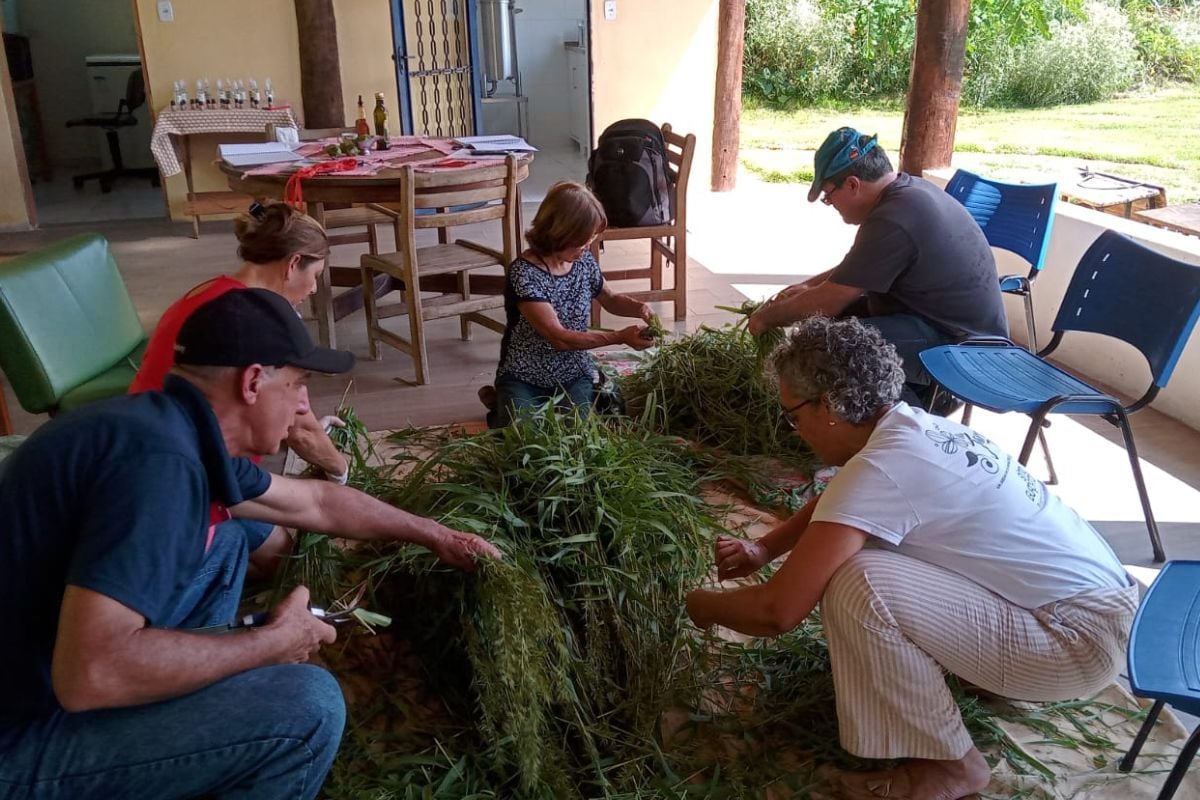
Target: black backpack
628,173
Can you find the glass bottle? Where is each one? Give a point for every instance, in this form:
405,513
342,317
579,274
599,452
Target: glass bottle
361,126
381,122
255,97
270,93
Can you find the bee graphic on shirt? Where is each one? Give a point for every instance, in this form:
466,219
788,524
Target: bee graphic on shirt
978,451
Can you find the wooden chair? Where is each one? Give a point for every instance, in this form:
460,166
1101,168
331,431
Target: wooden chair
442,200
354,224
668,242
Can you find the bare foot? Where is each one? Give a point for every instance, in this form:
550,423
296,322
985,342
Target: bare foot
919,779
487,396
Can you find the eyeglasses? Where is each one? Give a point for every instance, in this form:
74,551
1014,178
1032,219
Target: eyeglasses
788,412
826,197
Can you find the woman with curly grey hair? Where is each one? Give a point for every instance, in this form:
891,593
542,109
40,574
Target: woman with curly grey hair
931,551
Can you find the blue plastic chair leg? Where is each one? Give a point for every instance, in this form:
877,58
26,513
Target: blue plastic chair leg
1139,740
1181,766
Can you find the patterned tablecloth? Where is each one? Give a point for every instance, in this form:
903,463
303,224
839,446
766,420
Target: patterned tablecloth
167,151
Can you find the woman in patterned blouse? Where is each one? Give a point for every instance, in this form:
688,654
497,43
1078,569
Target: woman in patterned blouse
548,298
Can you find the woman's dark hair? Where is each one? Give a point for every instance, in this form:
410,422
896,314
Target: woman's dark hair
276,231
569,217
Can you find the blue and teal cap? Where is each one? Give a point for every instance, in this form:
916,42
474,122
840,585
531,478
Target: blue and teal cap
839,150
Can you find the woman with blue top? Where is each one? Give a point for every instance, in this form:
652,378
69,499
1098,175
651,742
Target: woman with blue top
548,299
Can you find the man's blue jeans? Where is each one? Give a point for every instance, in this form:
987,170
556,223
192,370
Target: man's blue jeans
910,335
265,733
512,395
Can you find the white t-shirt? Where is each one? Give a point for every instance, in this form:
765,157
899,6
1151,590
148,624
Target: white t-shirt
935,490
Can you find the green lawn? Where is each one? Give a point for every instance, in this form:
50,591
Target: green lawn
1152,136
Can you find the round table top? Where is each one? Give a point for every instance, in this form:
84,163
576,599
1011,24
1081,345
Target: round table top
334,188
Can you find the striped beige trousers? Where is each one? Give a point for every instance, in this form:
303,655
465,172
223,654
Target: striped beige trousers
896,624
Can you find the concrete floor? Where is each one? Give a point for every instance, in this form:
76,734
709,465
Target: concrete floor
743,244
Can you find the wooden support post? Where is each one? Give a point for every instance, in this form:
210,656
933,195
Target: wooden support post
935,85
320,70
727,115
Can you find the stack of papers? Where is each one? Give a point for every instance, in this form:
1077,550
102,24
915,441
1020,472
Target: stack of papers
504,143
249,155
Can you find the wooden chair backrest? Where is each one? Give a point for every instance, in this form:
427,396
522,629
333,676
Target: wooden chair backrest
680,152
462,197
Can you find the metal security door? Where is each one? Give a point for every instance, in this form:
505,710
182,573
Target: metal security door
436,72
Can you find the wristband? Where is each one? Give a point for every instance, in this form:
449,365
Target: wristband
340,480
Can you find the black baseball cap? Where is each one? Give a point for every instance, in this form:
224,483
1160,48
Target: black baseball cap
253,326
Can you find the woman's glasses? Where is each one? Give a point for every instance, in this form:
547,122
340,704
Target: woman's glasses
788,412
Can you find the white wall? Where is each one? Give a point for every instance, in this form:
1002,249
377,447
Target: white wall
542,27
1108,361
61,34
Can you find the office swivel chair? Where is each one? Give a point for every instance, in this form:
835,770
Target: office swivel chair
111,123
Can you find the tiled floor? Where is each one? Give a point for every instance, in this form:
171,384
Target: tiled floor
746,243
59,202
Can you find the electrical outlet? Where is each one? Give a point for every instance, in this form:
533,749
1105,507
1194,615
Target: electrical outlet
166,12
610,10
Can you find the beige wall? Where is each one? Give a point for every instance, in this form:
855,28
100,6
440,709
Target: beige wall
15,213
364,30
217,39
257,38
61,34
658,60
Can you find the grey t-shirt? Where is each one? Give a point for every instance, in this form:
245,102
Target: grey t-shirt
920,252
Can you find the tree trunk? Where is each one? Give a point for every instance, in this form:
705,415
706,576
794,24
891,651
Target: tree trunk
935,85
320,70
727,115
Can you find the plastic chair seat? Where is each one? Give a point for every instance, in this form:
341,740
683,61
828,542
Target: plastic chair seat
1164,658
1014,284
1008,378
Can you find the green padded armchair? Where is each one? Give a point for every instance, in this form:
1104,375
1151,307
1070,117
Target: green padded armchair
68,331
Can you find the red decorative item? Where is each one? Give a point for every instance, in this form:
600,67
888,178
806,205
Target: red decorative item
293,193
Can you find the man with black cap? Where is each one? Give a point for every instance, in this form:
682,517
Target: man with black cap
920,269
109,562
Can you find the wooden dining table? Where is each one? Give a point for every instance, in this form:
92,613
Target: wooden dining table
322,192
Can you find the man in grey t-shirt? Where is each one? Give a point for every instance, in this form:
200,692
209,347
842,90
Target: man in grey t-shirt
920,269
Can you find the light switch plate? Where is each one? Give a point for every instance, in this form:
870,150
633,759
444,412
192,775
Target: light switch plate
610,10
166,12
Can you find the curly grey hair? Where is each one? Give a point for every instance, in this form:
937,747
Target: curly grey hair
846,363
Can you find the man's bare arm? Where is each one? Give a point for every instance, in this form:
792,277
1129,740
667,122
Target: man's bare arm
105,656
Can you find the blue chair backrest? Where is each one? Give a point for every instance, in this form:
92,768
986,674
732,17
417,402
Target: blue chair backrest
1126,290
1014,216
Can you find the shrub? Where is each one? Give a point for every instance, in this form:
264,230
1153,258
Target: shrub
1168,41
794,53
1081,62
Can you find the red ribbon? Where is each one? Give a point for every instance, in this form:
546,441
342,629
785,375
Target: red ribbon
293,193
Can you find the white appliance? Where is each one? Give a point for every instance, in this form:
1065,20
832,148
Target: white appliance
108,75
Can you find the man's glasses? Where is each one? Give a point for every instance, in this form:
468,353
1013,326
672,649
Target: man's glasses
788,412
826,198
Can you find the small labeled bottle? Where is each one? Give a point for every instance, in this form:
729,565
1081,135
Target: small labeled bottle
270,93
381,122
361,126
255,97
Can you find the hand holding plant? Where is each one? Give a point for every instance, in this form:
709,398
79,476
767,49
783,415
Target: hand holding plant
633,336
463,550
737,558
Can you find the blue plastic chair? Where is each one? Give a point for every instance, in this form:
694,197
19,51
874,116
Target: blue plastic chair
1121,289
1164,659
1016,217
